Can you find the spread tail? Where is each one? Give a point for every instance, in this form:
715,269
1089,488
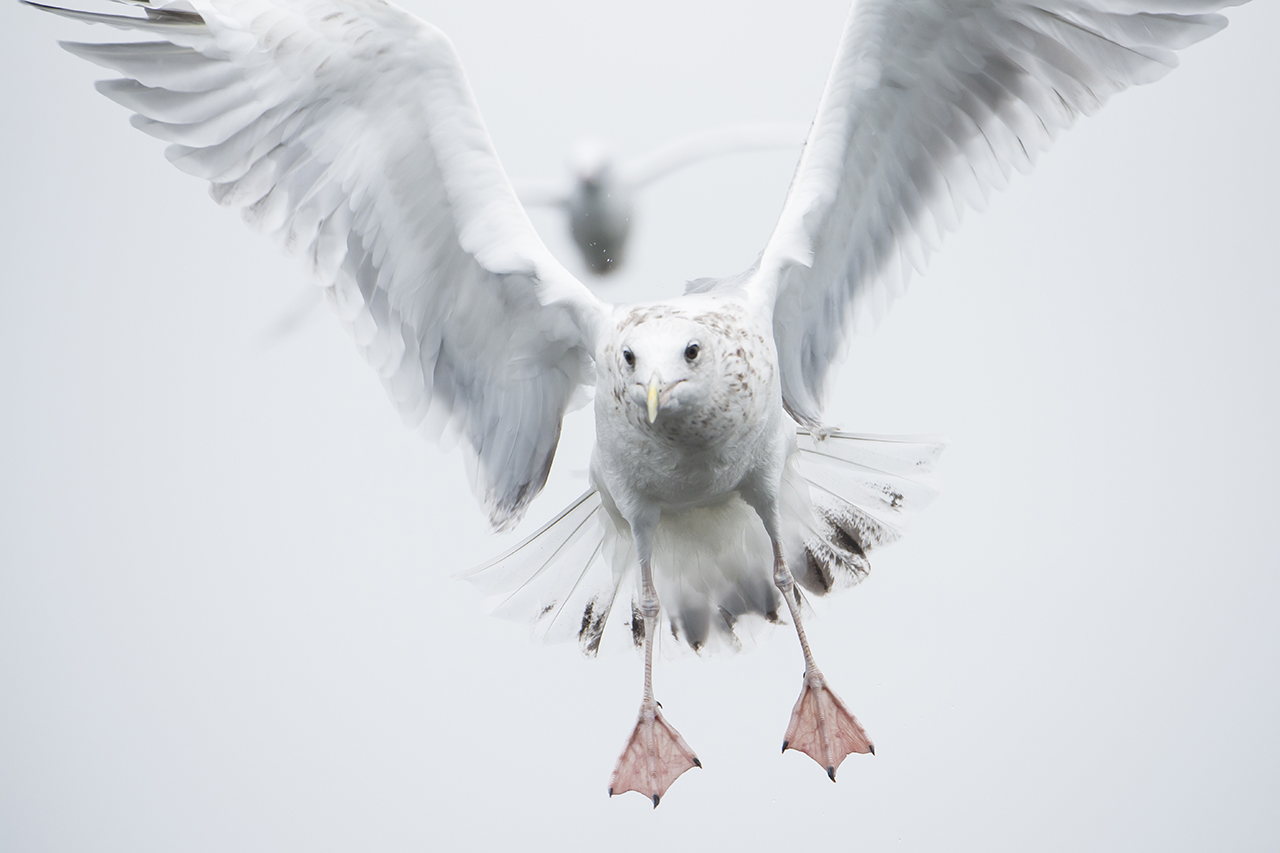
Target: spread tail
844,495
862,491
561,578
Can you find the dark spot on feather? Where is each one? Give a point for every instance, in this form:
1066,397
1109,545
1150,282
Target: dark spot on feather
818,572
637,626
846,539
544,611
592,628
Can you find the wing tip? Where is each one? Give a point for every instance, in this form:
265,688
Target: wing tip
155,18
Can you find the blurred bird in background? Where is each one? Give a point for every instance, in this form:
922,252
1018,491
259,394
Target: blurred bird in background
598,196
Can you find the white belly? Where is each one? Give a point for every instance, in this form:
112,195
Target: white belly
633,467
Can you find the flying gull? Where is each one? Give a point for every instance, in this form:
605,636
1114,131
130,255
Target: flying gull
599,195
346,129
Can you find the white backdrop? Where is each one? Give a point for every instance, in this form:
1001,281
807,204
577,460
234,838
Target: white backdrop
227,620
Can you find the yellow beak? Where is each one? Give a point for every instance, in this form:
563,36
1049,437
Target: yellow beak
655,383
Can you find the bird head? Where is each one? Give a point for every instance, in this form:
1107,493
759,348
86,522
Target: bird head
593,165
665,366
672,370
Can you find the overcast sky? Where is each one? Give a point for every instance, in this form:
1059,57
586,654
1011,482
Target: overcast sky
227,618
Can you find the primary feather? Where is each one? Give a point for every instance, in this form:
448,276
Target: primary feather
929,106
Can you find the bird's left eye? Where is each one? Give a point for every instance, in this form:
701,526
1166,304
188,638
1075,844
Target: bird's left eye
691,351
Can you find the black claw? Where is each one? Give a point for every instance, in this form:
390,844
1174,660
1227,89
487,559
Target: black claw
831,771
656,702
872,748
611,791
696,762
784,745
656,798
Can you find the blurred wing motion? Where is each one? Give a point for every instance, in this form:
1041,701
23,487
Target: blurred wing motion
597,195
346,130
545,193
661,162
712,143
929,106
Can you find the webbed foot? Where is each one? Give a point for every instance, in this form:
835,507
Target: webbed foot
655,757
822,727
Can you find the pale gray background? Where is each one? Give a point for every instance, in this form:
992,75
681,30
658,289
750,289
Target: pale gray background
226,614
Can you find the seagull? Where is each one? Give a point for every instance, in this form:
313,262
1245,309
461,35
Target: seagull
599,195
719,499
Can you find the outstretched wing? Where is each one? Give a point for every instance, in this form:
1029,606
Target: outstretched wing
672,157
347,130
720,142
930,105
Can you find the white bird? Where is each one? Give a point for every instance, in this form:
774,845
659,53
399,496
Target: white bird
599,195
347,130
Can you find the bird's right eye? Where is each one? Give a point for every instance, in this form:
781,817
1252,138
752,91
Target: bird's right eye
629,357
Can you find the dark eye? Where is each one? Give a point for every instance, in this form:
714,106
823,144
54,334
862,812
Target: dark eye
629,357
691,351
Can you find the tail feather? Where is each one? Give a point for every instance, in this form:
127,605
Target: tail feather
561,577
904,455
862,491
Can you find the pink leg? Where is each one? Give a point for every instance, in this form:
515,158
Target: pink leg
821,726
656,755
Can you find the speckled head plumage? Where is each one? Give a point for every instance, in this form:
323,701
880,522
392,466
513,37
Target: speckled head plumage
686,375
